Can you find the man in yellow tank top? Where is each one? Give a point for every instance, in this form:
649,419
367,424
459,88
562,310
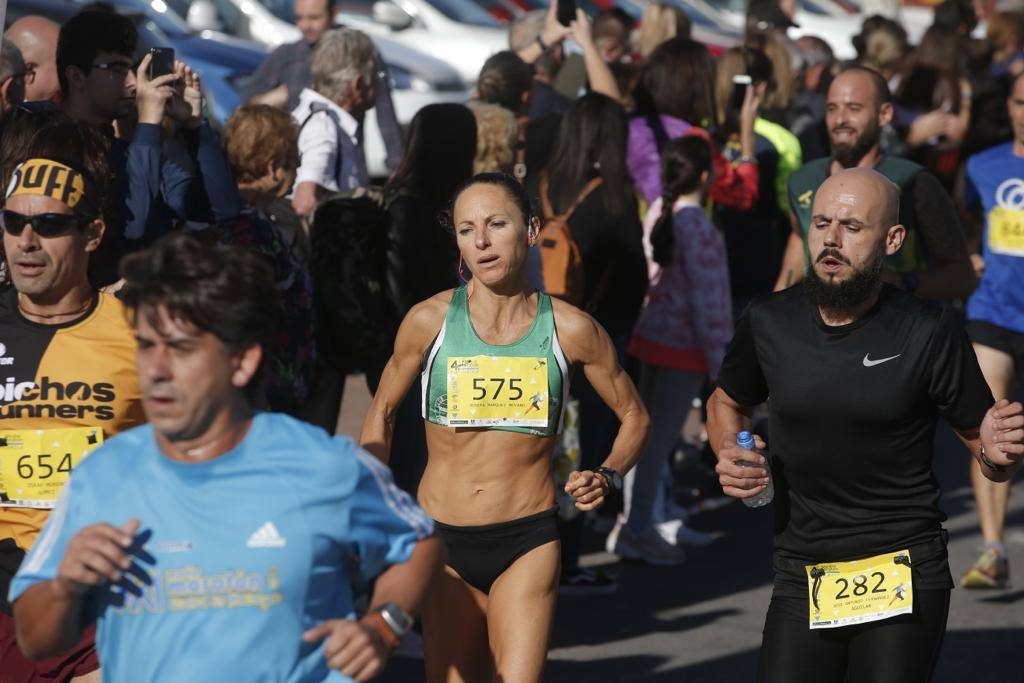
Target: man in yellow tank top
67,361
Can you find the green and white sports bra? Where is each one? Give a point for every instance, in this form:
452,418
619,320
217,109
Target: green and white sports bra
518,387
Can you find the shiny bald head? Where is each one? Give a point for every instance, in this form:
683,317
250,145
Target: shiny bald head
854,226
36,37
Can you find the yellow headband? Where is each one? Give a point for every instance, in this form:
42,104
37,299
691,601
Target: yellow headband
53,179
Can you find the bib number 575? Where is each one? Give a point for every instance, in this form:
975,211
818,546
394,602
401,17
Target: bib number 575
509,385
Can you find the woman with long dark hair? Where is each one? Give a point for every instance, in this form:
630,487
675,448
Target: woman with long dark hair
588,171
679,339
422,258
675,97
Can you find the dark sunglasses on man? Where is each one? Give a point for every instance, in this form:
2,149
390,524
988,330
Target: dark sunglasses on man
43,224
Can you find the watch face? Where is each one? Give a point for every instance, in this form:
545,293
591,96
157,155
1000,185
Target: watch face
397,615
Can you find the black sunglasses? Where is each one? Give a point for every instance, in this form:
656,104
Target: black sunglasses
43,224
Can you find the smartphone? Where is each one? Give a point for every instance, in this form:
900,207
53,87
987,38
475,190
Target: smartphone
566,12
161,62
740,83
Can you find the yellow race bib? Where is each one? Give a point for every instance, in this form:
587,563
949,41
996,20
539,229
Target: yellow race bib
1006,231
875,588
492,391
36,463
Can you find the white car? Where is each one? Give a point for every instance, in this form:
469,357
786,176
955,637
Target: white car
459,32
417,79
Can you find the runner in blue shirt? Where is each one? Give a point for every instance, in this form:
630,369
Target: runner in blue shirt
995,312
214,544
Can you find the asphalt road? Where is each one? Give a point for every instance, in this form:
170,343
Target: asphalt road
701,623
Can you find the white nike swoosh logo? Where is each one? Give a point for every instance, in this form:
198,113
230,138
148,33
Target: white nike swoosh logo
868,363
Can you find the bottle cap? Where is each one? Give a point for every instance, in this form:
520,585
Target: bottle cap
743,436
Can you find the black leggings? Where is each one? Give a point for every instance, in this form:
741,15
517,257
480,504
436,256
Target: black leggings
901,649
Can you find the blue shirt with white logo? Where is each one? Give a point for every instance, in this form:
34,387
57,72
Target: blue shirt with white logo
995,179
236,556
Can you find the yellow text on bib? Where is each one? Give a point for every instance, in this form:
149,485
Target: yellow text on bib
35,463
875,588
492,391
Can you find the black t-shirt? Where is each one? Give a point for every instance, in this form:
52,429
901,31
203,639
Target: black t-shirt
853,416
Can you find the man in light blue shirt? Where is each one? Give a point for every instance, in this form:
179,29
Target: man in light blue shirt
217,544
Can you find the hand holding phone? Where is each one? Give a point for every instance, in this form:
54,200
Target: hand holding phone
566,11
161,62
740,83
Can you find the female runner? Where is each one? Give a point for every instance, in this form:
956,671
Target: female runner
494,357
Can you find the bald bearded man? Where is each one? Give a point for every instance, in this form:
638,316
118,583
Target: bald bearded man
36,37
859,373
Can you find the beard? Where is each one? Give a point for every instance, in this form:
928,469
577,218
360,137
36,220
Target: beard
847,294
849,154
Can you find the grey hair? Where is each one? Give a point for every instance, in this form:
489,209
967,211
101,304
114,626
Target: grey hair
11,61
525,29
341,56
815,51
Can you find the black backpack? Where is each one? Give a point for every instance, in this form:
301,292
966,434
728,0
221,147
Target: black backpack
356,319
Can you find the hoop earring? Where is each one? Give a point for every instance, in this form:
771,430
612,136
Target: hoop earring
461,275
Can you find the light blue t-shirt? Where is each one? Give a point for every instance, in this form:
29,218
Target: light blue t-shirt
995,178
242,553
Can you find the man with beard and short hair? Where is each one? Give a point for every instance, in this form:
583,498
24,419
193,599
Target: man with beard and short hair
933,262
859,373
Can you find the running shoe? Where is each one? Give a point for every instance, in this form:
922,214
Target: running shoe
647,547
581,581
992,570
675,532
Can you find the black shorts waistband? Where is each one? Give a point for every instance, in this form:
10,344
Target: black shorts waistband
918,551
510,525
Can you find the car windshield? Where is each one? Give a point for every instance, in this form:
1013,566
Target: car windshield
739,6
168,18
464,12
282,9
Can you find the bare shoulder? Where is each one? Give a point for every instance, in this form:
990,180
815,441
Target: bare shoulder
578,333
424,320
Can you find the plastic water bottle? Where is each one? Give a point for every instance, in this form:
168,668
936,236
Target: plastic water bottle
745,440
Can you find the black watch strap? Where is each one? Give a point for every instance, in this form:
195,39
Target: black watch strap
613,478
989,464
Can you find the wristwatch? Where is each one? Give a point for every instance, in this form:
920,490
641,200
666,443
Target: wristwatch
613,478
397,619
989,464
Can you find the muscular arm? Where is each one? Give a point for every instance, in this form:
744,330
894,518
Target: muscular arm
792,270
587,343
417,331
950,274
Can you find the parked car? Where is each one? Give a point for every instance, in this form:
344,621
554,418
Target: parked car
416,78
458,32
219,62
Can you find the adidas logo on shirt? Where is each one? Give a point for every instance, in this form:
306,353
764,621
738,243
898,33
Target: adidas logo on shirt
266,537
